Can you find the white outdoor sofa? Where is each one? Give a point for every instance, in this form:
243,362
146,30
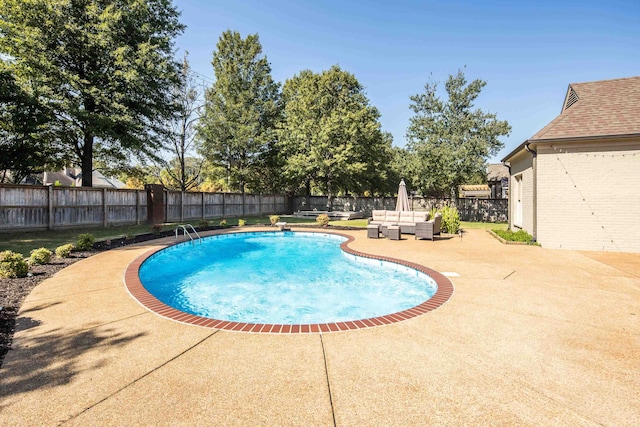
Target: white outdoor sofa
406,220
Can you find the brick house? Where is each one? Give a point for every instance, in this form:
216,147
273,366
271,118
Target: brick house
498,180
574,184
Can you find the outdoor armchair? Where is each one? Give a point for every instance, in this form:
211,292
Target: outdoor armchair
429,229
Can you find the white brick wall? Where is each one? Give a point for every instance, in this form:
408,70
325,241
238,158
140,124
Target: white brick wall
589,198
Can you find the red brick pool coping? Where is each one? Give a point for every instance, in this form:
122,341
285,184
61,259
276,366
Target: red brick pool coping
147,300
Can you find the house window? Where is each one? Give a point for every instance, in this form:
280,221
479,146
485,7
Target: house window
517,193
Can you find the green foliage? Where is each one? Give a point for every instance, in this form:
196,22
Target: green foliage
433,212
241,222
450,219
331,135
40,256
25,142
237,128
102,70
450,141
156,229
203,223
517,236
273,219
12,265
323,220
223,223
85,242
64,251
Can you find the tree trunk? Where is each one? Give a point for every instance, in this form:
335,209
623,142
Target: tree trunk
87,161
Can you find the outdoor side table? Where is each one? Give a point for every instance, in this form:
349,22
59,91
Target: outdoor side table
373,231
393,232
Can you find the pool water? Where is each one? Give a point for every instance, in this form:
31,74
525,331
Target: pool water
280,278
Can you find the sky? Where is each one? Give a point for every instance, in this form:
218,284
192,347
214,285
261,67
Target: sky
527,52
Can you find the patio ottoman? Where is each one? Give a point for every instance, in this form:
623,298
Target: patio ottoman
373,232
393,232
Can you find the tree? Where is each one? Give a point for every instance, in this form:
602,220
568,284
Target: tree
182,171
331,135
452,141
103,67
26,146
171,173
237,129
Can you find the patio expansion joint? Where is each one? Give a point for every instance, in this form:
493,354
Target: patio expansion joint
104,399
509,275
326,371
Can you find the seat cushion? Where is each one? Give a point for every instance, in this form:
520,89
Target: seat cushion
420,216
392,216
406,216
378,216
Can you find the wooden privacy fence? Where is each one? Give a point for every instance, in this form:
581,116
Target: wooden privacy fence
481,210
194,206
26,207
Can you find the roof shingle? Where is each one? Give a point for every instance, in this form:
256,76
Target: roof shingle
604,108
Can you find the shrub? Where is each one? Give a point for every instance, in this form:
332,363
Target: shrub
203,223
63,251
515,236
156,229
223,222
274,219
323,219
450,219
40,256
12,265
433,212
241,222
85,242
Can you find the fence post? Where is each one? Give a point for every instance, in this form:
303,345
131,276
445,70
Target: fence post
202,194
156,204
223,205
260,204
104,207
137,207
50,207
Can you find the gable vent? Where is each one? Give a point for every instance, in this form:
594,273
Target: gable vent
572,98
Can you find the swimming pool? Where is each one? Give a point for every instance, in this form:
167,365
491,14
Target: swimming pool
298,281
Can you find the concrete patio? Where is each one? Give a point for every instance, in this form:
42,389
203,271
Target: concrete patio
531,336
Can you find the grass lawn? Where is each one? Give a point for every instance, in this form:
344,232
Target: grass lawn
25,241
465,225
350,223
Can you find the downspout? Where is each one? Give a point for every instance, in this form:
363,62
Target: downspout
534,211
509,217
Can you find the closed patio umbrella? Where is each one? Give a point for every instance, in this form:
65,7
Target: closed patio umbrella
403,199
